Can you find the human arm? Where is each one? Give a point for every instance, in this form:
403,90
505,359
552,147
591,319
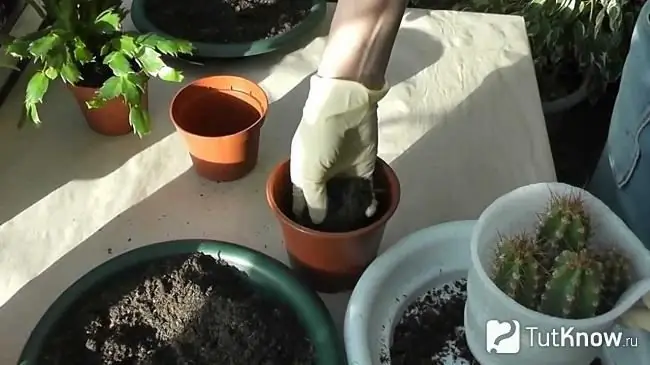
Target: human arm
338,131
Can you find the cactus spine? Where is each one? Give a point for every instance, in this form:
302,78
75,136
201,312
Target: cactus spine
558,272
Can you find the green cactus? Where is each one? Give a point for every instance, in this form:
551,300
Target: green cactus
617,276
564,226
575,286
516,270
557,271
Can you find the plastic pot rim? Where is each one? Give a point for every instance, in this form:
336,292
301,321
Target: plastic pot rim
263,104
393,189
512,304
306,304
236,50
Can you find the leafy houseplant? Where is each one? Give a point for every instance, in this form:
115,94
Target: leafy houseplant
578,46
84,46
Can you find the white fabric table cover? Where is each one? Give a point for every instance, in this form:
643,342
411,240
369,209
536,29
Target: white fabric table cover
461,125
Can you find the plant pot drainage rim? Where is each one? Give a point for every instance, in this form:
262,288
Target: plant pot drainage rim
393,188
263,104
399,276
265,272
237,50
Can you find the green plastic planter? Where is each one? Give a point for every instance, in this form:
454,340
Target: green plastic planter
235,50
266,273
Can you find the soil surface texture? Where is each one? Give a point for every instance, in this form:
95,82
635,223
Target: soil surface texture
226,21
188,309
348,200
431,331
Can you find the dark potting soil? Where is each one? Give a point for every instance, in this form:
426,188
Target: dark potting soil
226,21
431,331
188,309
348,199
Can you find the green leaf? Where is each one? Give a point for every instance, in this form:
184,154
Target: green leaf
164,45
111,89
140,120
150,61
18,49
126,44
42,46
132,91
69,71
32,113
51,73
81,52
169,74
36,88
118,63
615,16
109,21
598,23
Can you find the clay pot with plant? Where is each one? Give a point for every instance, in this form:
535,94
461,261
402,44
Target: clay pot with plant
106,68
332,256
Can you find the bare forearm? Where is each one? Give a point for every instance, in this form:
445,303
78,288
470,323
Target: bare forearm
361,40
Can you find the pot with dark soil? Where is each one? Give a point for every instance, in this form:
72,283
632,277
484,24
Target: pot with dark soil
332,256
230,28
186,302
407,308
106,68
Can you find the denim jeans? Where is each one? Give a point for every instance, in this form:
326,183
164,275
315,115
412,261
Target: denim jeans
622,178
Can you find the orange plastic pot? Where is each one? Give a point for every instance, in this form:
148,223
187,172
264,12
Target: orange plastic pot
220,118
332,262
112,119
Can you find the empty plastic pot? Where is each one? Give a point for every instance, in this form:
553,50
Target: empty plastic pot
220,118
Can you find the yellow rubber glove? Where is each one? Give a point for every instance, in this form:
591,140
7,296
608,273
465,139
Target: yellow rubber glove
638,317
337,136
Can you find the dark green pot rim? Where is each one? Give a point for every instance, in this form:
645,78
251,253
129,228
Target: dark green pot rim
236,50
266,273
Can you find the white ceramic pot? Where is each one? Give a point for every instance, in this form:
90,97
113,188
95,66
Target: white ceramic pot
416,264
510,214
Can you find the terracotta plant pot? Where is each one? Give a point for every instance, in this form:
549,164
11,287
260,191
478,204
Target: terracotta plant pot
332,262
110,120
220,118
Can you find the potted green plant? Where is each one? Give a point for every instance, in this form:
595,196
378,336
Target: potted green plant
578,47
549,257
106,68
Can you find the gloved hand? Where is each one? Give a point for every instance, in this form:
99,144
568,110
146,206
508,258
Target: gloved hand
638,317
337,136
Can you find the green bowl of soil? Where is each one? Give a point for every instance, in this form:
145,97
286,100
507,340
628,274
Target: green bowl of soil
186,302
230,28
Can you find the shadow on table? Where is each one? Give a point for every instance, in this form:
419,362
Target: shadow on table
187,207
434,170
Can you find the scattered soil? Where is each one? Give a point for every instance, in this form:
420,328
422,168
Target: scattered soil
226,21
348,199
432,332
188,309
